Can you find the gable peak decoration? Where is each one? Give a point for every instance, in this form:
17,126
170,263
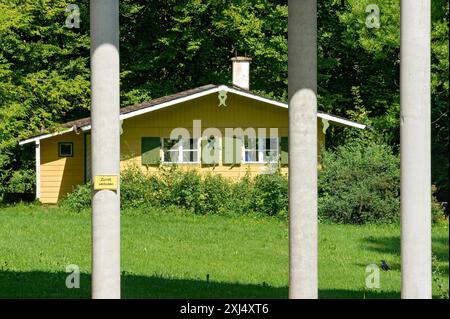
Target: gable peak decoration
222,97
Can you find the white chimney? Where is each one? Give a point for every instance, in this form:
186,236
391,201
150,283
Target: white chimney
241,72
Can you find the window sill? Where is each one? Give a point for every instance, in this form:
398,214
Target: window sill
183,163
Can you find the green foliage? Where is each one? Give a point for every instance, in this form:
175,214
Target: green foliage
139,190
440,285
79,199
172,187
437,210
182,189
359,183
270,195
440,98
216,196
169,46
44,75
22,181
359,74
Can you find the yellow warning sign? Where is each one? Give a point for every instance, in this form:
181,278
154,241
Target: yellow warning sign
105,182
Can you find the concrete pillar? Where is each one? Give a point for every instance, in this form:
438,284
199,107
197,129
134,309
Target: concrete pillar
105,147
415,149
302,48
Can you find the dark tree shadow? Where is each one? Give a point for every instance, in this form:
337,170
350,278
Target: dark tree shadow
37,284
390,245
40,285
355,294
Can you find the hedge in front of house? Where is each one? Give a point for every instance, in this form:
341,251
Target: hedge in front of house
212,194
358,183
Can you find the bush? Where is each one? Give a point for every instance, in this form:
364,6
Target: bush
359,183
139,190
180,188
212,194
20,187
241,202
21,181
216,195
78,199
437,210
270,195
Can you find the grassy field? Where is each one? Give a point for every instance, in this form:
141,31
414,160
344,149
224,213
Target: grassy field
169,255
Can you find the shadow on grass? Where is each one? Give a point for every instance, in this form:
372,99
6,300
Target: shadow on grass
390,245
357,294
37,285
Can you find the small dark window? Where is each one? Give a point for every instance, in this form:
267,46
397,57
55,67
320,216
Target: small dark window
65,149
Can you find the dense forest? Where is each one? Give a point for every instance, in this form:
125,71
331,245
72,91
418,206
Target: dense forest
173,45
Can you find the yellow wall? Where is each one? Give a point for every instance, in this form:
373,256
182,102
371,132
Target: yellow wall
58,175
240,112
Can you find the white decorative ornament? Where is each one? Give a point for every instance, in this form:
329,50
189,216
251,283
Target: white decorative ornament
222,98
325,125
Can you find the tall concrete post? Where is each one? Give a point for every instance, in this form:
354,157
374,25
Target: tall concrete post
302,68
105,145
415,149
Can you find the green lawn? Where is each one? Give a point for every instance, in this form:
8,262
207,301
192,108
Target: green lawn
168,255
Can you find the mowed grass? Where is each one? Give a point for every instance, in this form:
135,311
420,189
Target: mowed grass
170,255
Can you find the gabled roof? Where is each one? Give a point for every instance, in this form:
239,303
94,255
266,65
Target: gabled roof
156,104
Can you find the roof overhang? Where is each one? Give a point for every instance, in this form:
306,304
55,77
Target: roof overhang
212,90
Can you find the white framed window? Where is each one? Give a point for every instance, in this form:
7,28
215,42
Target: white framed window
261,150
181,150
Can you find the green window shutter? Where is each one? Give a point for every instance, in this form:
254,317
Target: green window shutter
284,148
237,143
150,150
210,150
231,150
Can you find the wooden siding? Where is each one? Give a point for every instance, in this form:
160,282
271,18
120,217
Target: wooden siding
59,175
240,112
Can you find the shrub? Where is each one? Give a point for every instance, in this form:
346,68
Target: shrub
359,183
437,210
216,195
21,181
241,202
78,199
212,194
270,195
139,190
181,188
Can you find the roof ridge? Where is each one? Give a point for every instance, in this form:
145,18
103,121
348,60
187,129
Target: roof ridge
134,107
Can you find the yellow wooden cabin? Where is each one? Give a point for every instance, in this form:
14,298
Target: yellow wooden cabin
205,116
